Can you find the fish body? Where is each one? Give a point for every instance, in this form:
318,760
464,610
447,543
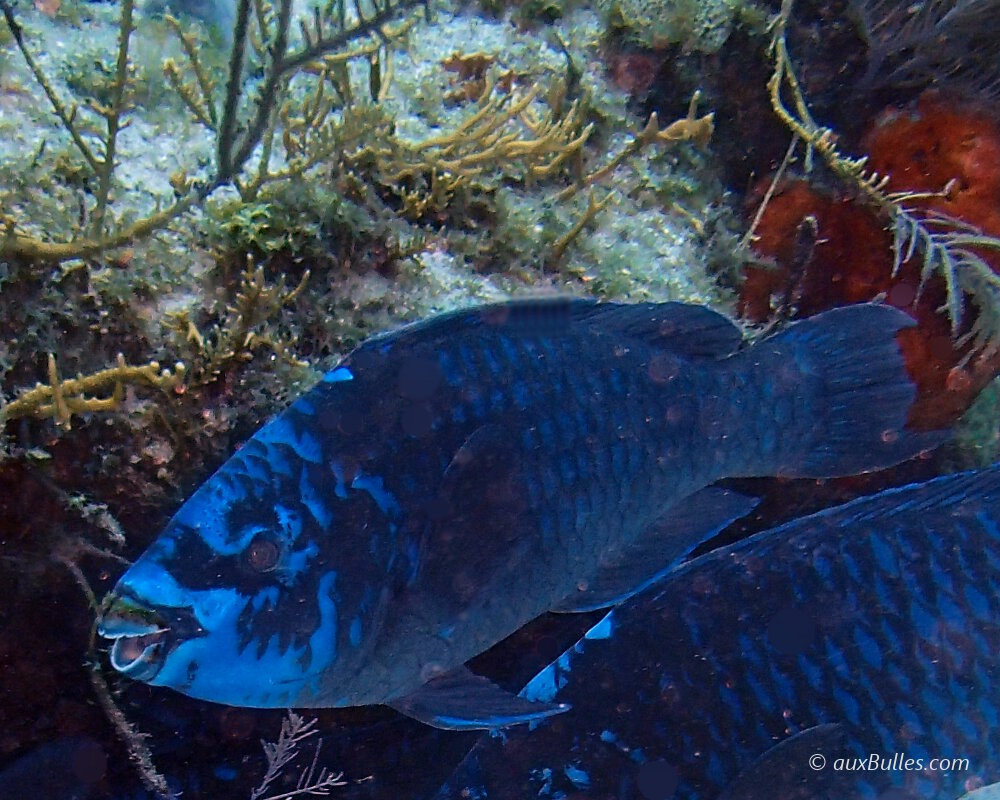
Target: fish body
868,633
452,480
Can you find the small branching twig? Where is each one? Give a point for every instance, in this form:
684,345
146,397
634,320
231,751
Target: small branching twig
236,143
66,115
100,516
256,301
949,247
114,123
748,237
594,207
134,740
235,151
29,248
200,97
279,754
61,399
816,137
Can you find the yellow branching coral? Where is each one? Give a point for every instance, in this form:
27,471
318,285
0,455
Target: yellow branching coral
235,339
61,399
690,128
504,134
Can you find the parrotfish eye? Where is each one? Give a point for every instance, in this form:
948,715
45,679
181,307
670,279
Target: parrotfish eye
262,553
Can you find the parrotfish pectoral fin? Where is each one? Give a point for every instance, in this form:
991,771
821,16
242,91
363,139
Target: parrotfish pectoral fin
696,519
480,490
460,700
800,767
844,372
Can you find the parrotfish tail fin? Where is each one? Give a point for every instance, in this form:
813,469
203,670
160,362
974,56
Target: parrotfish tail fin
836,395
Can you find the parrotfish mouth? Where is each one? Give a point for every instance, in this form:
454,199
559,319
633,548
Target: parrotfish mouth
142,636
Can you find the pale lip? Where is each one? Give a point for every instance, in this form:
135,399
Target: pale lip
140,637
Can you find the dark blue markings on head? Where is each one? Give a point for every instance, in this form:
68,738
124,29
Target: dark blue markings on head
282,430
355,632
323,642
384,499
314,497
477,401
342,473
289,521
256,464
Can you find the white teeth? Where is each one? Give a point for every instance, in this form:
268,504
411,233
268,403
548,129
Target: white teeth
131,633
122,628
126,618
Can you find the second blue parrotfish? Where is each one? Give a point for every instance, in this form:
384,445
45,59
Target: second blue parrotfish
853,654
452,480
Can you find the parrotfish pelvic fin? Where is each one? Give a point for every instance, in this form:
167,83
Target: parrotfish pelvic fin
461,700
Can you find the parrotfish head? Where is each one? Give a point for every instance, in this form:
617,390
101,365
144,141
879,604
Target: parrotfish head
249,597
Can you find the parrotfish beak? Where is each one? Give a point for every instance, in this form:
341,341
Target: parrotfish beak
141,636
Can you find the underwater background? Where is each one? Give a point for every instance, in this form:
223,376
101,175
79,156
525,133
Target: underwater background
205,205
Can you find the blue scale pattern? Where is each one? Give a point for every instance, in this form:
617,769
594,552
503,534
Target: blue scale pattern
902,655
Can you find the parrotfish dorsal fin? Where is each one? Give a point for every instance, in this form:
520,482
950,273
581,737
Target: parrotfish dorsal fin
691,331
683,527
534,315
461,700
686,330
800,767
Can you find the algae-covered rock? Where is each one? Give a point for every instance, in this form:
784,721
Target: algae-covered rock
695,25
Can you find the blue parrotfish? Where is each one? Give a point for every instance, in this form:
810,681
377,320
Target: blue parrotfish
836,657
450,481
